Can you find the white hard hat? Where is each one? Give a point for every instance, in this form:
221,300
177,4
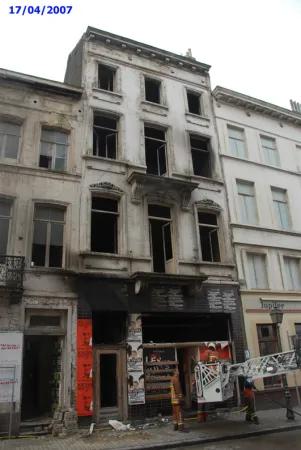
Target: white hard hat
212,345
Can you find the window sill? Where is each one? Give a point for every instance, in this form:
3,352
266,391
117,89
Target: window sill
262,164
58,270
261,228
117,162
38,171
107,96
155,108
197,178
198,120
114,256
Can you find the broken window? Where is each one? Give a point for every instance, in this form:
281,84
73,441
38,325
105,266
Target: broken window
53,151
105,135
48,236
208,228
155,151
104,225
106,77
152,90
161,238
5,219
194,104
200,152
9,139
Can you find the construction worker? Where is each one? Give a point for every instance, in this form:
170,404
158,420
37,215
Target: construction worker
250,402
176,401
211,356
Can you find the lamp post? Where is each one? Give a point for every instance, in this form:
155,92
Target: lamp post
277,316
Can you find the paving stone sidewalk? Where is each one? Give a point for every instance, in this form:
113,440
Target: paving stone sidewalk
163,437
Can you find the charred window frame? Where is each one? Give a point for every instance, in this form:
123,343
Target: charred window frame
48,236
53,149
208,225
201,155
155,150
152,90
194,102
105,224
6,208
105,136
10,134
106,78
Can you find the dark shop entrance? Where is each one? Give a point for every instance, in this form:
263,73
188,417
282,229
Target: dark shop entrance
41,376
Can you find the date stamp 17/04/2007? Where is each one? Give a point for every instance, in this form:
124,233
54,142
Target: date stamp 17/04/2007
41,10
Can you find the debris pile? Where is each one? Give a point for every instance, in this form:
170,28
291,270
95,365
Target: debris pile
64,423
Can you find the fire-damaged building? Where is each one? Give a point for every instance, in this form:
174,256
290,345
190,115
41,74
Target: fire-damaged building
157,277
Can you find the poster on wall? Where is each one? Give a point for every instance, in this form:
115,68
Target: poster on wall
136,390
84,375
222,347
159,354
134,328
11,350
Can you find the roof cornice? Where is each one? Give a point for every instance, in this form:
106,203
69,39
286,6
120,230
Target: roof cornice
146,50
40,83
223,95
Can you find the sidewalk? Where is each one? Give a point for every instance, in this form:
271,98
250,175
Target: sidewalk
162,436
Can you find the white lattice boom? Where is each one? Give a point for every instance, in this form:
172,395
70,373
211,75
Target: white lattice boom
215,382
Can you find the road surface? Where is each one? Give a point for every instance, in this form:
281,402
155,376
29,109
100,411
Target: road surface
277,441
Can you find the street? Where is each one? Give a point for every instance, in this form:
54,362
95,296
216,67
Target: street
279,441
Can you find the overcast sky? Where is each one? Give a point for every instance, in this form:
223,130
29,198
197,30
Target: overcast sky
253,46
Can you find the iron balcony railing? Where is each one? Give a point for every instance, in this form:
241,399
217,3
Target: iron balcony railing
12,271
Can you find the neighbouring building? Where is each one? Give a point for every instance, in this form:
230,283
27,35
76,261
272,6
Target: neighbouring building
261,163
157,276
40,181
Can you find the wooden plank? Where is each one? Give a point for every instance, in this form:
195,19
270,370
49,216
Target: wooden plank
162,363
159,371
157,397
157,388
148,379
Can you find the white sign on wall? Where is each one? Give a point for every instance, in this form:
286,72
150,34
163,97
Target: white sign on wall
11,349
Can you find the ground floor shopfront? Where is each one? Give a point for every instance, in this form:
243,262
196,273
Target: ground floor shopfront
128,343
262,339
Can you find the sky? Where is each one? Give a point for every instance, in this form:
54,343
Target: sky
253,46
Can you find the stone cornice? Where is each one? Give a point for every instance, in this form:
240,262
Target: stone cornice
146,50
223,95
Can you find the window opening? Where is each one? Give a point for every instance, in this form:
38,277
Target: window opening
160,237
194,104
53,151
104,225
268,345
200,153
152,90
155,151
9,139
208,228
105,137
5,219
106,77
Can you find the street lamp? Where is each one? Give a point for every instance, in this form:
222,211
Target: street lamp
277,316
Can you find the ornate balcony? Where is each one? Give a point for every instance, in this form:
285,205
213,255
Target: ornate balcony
11,272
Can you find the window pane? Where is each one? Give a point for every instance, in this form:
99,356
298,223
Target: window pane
60,164
61,138
39,244
236,133
233,147
273,157
260,272
4,229
56,245
11,147
270,143
243,209
277,215
48,135
241,149
5,207
42,212
251,270
10,128
251,210
245,188
279,195
283,209
266,156
61,151
57,214
292,273
46,155
167,242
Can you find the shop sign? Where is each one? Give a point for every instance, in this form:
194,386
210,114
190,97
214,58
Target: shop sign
268,305
84,391
11,349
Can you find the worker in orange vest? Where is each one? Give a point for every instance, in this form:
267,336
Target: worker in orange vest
176,401
211,356
251,416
